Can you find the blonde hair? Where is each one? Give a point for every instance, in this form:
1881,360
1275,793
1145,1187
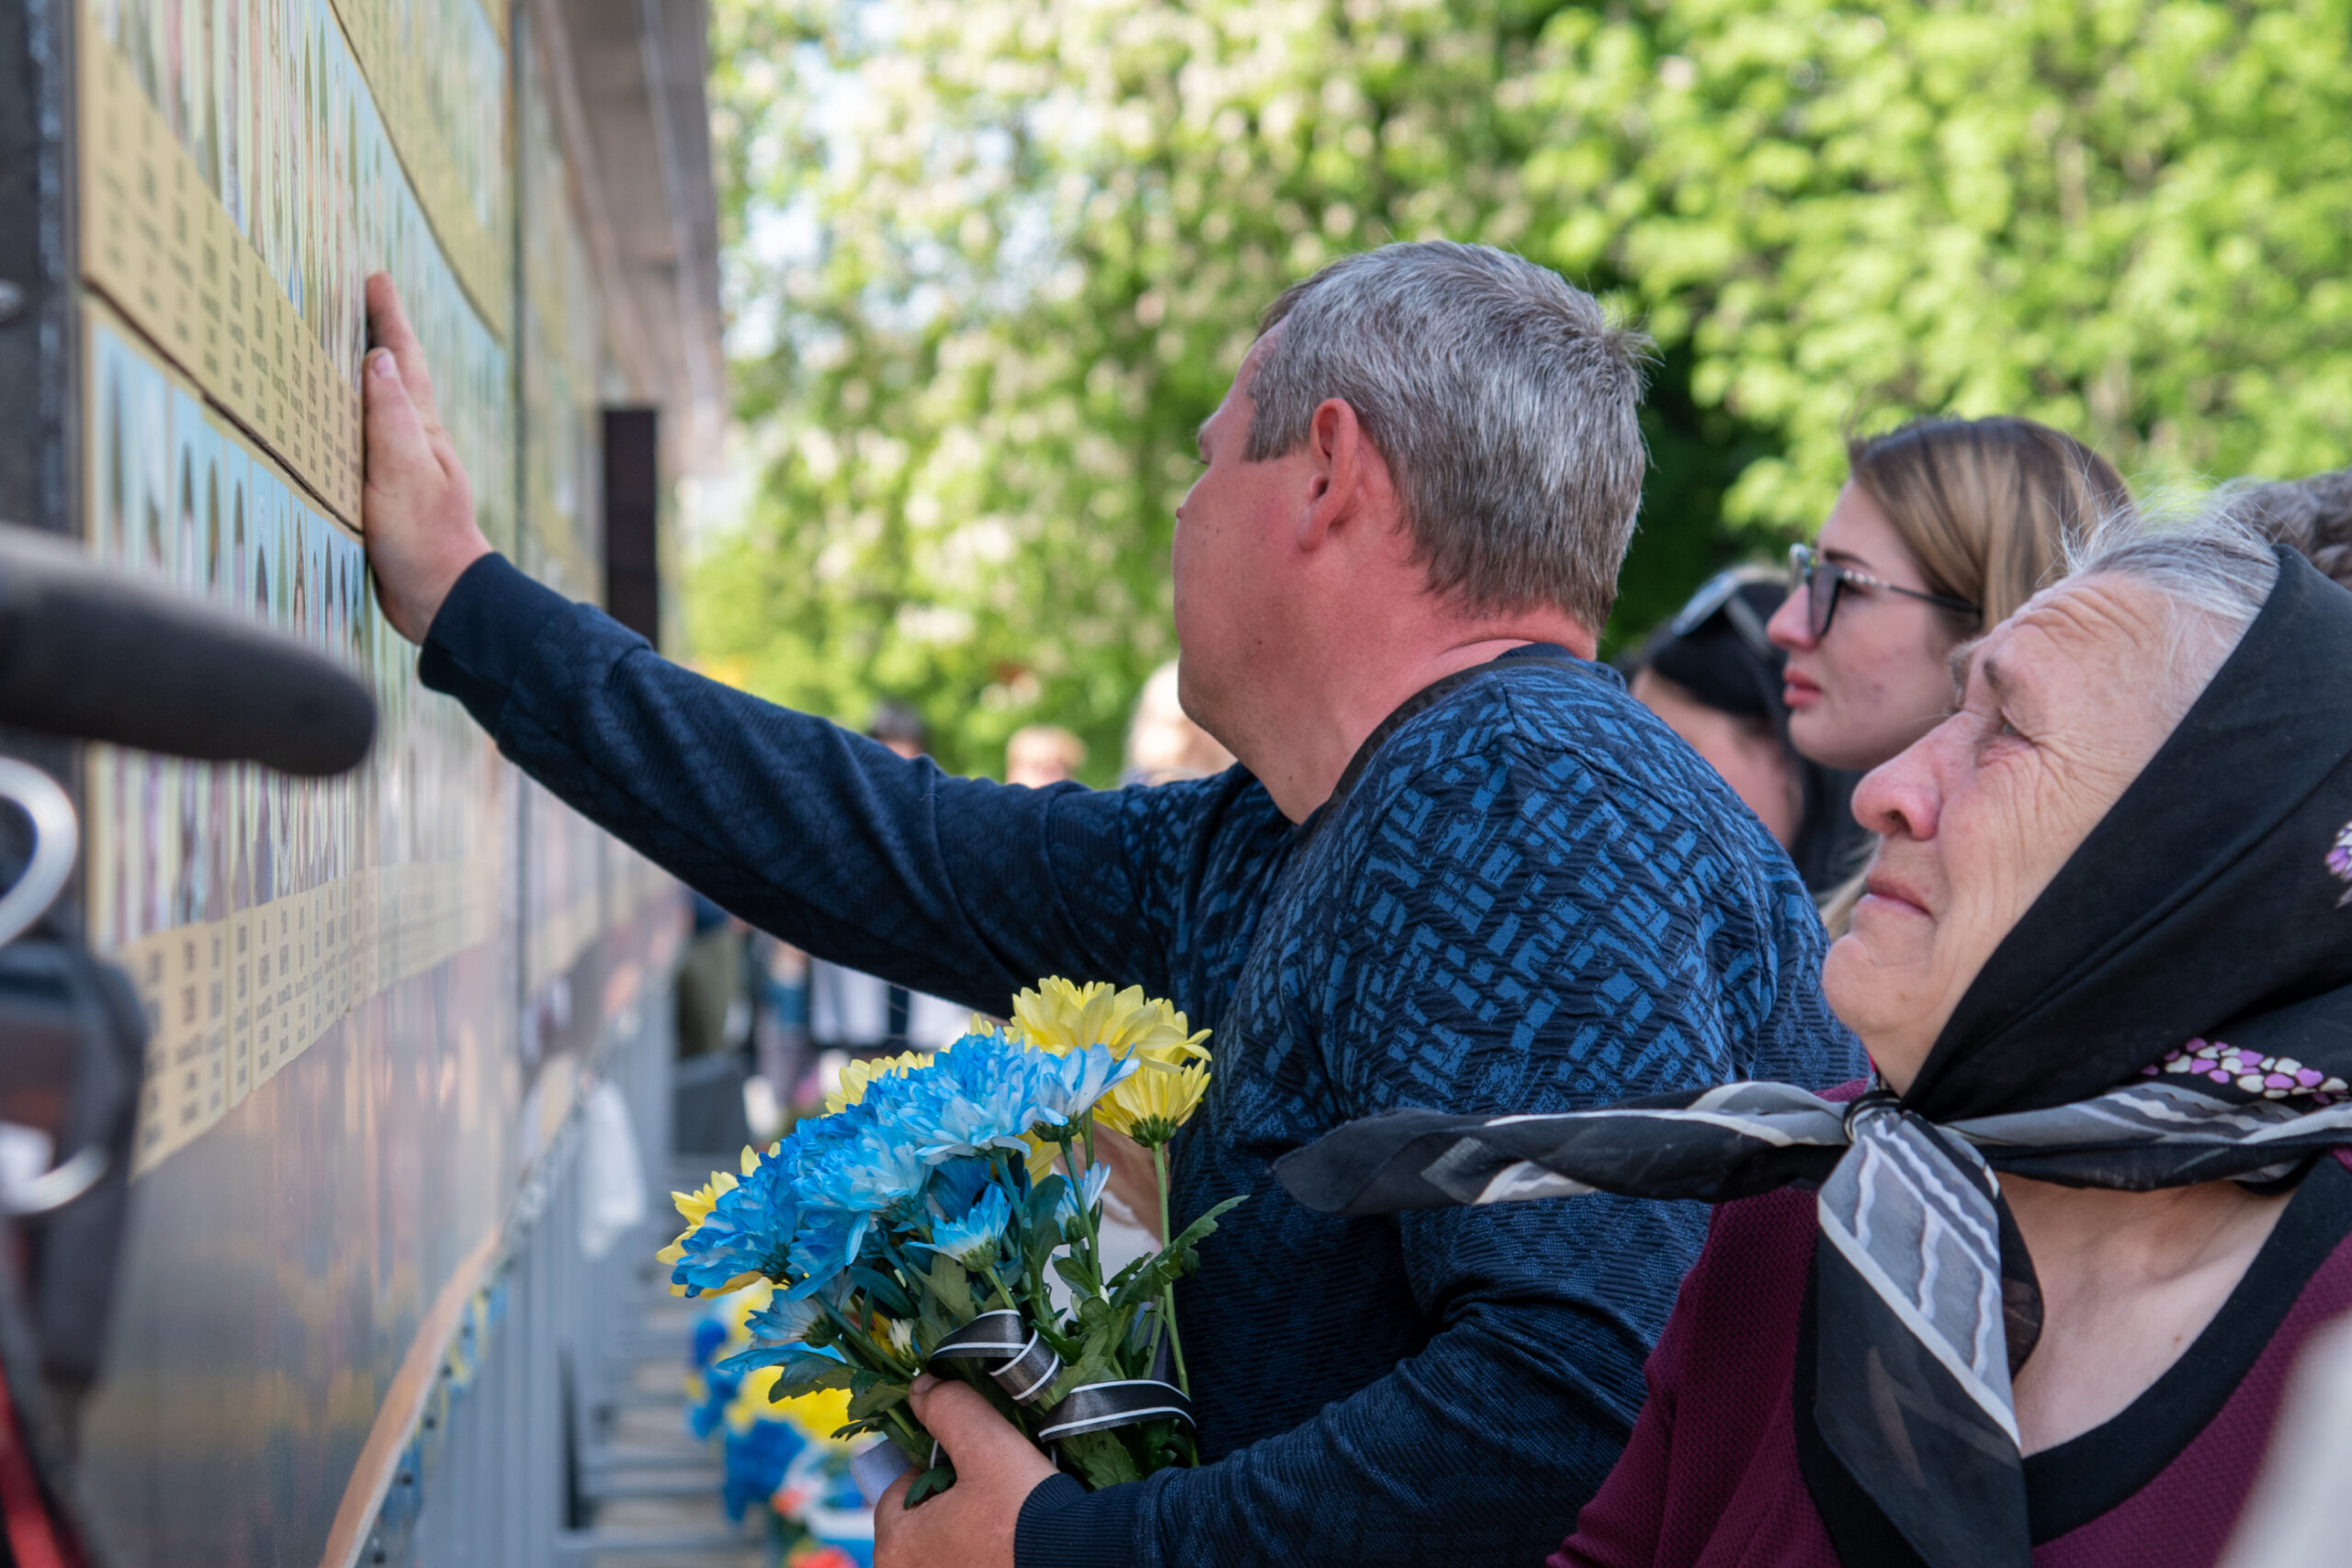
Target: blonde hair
1989,508
1992,510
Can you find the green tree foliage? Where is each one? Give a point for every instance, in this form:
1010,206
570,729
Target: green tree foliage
994,260
2133,219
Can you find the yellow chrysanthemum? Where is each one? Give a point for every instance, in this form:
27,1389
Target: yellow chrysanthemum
818,1416
1149,1107
1042,1155
737,1311
858,1075
695,1207
1061,1017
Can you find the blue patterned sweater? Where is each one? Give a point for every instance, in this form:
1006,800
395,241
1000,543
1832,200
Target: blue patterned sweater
1526,894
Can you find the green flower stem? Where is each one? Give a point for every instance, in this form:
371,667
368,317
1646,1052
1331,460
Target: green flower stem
1085,1210
1168,1290
1001,1293
918,1443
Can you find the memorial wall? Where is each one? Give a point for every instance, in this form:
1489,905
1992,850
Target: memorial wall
373,1000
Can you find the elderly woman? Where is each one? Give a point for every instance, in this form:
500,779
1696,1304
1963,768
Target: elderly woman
2066,1241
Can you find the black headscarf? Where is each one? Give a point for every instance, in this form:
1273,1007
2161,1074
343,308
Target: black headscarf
1717,650
2175,1008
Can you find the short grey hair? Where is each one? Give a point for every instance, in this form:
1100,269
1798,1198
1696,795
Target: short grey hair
2216,565
1503,399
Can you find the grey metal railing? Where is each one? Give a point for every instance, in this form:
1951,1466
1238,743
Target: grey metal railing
564,1442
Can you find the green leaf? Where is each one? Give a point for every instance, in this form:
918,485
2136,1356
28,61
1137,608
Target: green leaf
810,1373
1097,1361
938,1478
952,1286
1101,1459
883,1291
1077,1276
873,1401
1192,1235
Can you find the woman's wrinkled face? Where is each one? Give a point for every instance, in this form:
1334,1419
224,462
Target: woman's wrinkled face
1879,679
2058,714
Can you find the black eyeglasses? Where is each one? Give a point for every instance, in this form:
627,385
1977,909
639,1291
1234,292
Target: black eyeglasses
1821,581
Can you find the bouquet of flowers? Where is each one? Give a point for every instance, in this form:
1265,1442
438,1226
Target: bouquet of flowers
922,1222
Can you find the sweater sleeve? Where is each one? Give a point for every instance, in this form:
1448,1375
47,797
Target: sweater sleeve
962,888
1621,1525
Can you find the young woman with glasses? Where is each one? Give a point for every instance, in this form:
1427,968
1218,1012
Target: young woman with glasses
1945,528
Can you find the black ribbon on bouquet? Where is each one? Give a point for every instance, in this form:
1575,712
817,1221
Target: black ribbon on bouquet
1029,1365
1099,1406
1026,1367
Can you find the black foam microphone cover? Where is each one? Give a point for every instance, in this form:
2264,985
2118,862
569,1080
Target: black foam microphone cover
95,655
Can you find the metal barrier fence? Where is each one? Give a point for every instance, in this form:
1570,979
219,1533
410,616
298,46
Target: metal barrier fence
502,1469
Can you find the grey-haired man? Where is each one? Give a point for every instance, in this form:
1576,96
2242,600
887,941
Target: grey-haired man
1457,866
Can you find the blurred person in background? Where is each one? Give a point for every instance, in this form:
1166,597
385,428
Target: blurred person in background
1041,754
710,982
2313,516
1163,743
714,1017
1943,529
782,1057
1713,675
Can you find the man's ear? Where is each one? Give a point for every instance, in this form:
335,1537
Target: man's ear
1347,478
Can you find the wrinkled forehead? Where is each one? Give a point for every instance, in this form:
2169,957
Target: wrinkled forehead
2093,640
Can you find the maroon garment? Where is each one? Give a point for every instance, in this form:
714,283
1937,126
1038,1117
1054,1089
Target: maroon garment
1711,1477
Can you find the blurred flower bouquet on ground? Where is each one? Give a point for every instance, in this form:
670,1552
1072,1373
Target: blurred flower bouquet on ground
780,1459
918,1224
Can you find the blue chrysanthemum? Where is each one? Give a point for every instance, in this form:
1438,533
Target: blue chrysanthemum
982,1093
756,1461
747,1231
957,1185
786,1320
829,1242
1068,1084
1088,1191
971,1240
861,1160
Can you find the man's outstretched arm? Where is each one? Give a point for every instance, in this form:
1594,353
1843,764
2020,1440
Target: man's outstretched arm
960,887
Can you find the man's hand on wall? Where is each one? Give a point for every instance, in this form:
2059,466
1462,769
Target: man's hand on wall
417,511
